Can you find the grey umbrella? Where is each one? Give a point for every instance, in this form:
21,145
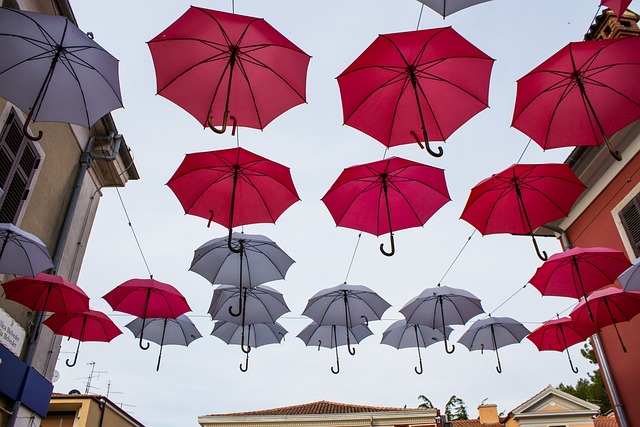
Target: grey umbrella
401,334
630,278
249,335
333,336
345,305
447,7
492,333
258,260
178,331
442,306
22,253
54,71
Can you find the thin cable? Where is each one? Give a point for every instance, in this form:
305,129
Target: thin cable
420,18
457,256
507,300
353,257
523,151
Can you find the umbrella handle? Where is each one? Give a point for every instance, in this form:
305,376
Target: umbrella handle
234,249
453,347
210,218
245,368
419,371
75,358
542,255
337,369
440,151
393,247
25,128
366,321
614,153
223,128
573,368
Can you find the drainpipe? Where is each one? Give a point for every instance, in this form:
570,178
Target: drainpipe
102,404
597,347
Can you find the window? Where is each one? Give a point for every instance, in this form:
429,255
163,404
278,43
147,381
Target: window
19,160
630,218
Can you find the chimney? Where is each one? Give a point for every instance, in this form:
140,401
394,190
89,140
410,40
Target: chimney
488,414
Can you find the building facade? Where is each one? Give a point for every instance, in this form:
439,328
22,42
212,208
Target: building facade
51,188
81,410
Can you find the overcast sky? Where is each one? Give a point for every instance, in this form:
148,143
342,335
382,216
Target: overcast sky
310,139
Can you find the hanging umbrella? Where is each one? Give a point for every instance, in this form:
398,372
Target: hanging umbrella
90,325
440,307
261,304
47,292
387,195
522,198
259,261
22,253
217,65
415,86
147,298
333,336
560,334
345,305
581,95
608,306
54,71
577,272
249,336
233,187
448,7
164,331
492,333
401,334
630,278
618,6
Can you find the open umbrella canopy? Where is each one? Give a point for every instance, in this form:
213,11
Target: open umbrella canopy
90,325
47,292
606,307
448,7
492,333
22,253
163,331
217,65
630,278
521,198
618,6
415,86
579,271
581,95
261,304
233,187
560,334
387,195
260,261
53,71
401,334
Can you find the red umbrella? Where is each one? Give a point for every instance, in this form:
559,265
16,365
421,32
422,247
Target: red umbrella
618,6
233,187
90,325
609,306
581,95
415,86
579,271
521,198
215,65
560,334
46,292
386,195
147,298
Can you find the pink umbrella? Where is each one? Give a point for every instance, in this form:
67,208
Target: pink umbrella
618,6
47,292
610,306
579,271
147,298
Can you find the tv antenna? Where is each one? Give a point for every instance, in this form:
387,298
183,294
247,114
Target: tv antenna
91,375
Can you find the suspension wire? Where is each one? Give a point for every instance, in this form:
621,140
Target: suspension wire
457,256
135,236
524,151
507,300
353,257
420,17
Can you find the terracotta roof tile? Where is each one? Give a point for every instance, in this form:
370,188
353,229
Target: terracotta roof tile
605,422
317,408
475,423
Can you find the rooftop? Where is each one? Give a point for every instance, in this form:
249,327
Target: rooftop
318,408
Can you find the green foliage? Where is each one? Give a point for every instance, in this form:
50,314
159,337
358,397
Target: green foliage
426,403
456,409
591,389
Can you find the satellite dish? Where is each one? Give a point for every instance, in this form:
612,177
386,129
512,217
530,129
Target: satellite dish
74,391
56,376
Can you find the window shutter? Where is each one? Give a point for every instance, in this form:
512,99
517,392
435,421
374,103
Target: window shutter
630,216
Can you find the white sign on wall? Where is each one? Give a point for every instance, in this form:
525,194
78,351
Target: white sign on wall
12,335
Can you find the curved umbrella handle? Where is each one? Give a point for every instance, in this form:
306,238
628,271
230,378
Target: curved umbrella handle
75,358
366,321
499,367
419,371
223,128
25,129
542,255
248,348
142,346
234,249
453,347
337,369
393,247
245,368
573,368
352,350
444,327
614,153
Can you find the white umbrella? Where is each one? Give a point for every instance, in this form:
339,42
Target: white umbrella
447,7
630,278
22,253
